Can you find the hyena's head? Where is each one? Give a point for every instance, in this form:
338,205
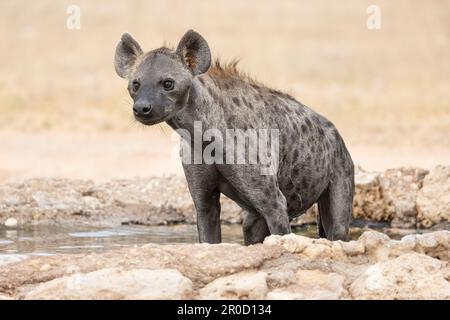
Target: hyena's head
159,81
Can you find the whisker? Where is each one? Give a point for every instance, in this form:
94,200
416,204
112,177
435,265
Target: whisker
162,129
132,123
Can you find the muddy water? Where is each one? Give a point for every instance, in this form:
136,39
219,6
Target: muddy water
45,240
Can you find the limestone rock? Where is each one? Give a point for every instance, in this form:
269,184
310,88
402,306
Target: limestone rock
396,195
291,242
353,248
243,285
11,258
400,187
376,245
284,267
114,283
11,223
368,200
433,200
434,244
312,285
410,276
371,246
201,263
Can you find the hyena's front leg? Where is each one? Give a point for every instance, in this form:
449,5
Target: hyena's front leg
207,205
202,182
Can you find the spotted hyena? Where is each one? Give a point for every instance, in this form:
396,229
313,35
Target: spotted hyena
184,86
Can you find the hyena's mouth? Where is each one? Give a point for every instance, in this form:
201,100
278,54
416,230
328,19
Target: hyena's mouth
148,121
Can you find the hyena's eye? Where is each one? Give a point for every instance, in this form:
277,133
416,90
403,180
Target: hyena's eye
168,84
135,85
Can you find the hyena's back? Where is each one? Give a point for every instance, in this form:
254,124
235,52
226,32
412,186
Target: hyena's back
312,152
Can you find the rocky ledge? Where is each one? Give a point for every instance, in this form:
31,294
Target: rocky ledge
284,267
401,198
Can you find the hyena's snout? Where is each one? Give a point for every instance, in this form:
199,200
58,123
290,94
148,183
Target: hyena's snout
142,110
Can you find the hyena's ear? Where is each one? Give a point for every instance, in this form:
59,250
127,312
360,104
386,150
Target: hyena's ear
195,53
127,53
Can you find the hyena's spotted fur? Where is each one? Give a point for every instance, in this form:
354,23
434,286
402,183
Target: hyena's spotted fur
314,164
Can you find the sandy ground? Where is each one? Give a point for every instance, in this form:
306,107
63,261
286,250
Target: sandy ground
102,156
65,113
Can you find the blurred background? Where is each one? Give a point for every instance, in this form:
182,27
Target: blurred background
65,113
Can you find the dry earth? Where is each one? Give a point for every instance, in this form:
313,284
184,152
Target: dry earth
67,114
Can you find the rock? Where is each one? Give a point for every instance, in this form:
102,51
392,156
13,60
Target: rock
310,248
399,188
371,246
435,244
291,242
379,247
395,195
410,276
368,199
281,271
376,245
114,283
312,285
284,267
201,263
353,248
45,267
12,201
11,223
433,200
91,202
441,226
11,258
245,285
48,200
318,250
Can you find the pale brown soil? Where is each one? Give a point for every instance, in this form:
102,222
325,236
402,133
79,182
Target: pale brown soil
65,113
147,152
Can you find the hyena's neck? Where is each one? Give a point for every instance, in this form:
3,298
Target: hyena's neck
200,107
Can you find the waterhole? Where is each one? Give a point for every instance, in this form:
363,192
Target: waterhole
52,239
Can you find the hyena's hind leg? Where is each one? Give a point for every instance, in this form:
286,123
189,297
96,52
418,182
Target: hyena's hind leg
320,229
335,209
255,228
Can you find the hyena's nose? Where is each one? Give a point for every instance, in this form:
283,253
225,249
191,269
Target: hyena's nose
141,109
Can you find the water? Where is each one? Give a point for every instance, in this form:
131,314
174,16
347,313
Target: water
45,240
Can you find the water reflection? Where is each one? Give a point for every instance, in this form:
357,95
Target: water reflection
43,240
